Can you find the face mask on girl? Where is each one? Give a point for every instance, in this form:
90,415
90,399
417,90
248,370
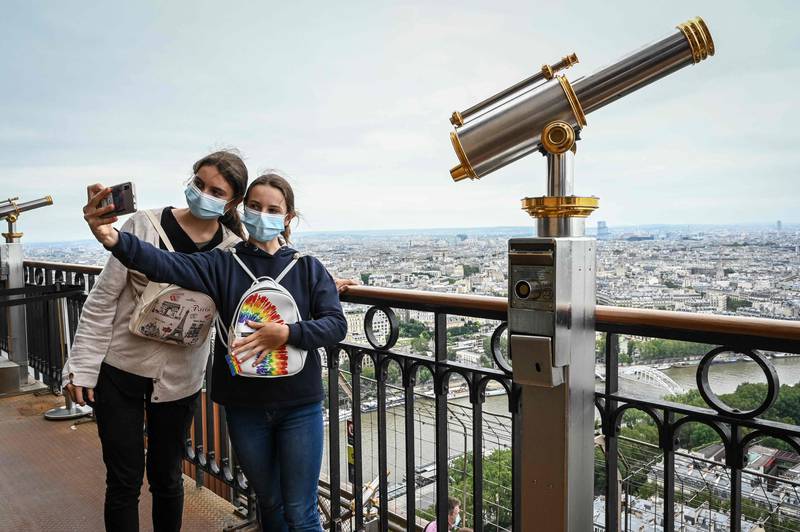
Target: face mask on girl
262,226
202,205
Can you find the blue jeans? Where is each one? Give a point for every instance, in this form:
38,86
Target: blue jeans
280,452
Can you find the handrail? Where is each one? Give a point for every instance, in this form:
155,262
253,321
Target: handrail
605,316
64,266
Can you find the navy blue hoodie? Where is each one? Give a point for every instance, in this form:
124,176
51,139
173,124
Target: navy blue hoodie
217,274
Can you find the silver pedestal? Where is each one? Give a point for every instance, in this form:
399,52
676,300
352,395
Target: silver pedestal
69,411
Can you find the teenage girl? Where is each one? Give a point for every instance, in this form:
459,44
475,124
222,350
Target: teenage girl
275,424
125,376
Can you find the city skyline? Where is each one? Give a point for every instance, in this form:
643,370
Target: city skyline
713,271
499,230
353,103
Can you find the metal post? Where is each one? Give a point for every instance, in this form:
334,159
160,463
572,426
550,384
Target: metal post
552,339
70,410
12,275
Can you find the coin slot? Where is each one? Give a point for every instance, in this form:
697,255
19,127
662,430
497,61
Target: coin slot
522,289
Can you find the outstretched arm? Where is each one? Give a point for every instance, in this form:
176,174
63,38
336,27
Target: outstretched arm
196,271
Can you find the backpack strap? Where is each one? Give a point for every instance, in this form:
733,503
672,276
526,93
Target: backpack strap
281,275
245,268
160,230
221,333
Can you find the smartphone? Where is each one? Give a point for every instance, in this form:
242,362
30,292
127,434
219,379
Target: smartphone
124,198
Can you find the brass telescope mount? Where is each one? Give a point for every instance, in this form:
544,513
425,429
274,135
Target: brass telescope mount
11,217
560,212
10,211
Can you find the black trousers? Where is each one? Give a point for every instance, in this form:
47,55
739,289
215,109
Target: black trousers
121,401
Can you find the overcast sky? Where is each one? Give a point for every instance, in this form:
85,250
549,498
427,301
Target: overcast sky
352,100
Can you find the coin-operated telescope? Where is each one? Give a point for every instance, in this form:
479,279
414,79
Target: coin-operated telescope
552,276
10,210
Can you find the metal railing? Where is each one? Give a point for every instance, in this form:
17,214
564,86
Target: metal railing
51,312
209,451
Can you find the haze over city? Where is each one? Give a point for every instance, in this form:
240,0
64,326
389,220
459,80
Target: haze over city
352,101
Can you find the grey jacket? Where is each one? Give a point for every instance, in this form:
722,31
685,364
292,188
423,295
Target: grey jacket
103,334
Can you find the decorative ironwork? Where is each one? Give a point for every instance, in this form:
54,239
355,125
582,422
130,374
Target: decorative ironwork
711,399
209,450
369,330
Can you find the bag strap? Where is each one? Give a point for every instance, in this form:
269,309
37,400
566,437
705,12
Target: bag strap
231,239
159,230
221,332
281,275
245,268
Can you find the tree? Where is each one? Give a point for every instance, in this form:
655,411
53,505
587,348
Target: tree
497,485
599,472
365,278
470,327
600,348
661,349
412,328
487,359
420,344
733,304
470,270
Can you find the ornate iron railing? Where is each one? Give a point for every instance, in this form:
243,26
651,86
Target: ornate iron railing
209,451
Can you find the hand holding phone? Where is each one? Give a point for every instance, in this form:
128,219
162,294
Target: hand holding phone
102,208
123,197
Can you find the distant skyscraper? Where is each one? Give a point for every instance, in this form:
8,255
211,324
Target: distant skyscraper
602,231
779,225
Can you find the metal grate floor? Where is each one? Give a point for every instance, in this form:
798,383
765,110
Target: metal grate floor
52,476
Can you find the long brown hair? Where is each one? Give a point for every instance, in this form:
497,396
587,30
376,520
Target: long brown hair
231,166
272,179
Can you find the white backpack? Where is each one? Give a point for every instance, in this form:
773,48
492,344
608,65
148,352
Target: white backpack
170,314
266,301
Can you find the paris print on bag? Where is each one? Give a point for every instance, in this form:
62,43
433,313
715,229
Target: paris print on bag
168,313
175,316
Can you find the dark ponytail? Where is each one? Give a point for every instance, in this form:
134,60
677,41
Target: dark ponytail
232,221
232,167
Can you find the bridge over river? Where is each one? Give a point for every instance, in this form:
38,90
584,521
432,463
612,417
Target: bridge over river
645,375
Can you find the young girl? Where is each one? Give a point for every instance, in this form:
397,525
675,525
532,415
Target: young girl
126,376
275,424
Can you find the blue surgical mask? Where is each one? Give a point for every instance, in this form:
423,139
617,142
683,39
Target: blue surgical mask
202,205
262,226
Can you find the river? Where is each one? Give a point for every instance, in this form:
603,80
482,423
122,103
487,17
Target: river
497,422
